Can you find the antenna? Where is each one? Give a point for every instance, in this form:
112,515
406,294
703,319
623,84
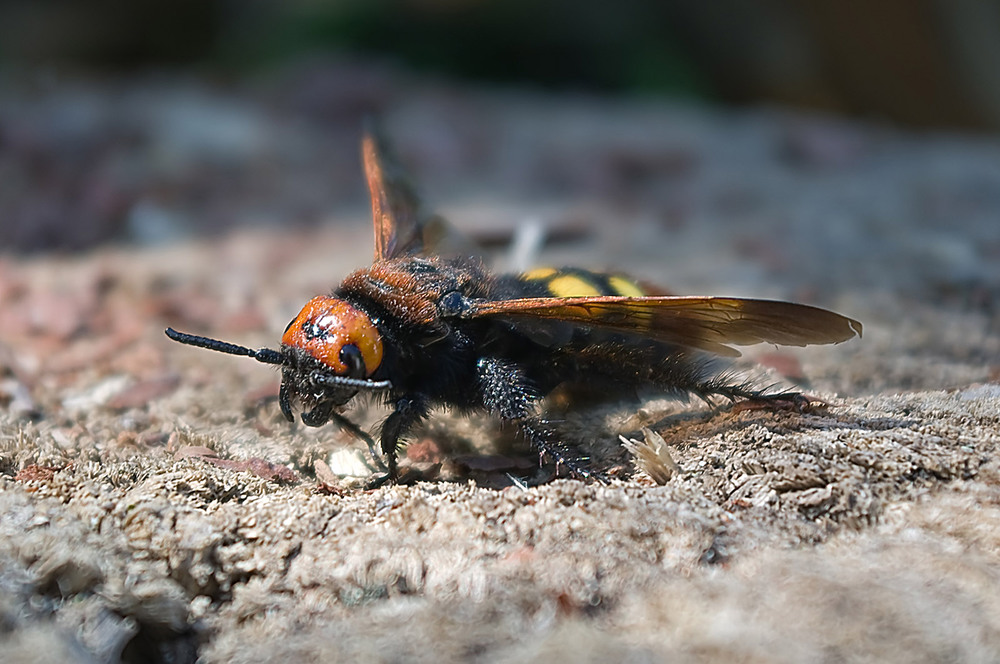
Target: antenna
265,355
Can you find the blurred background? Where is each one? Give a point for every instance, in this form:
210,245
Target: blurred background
144,121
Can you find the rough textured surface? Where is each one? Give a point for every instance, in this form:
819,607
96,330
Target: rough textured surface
154,506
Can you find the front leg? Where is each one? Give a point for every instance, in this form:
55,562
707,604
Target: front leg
507,393
409,410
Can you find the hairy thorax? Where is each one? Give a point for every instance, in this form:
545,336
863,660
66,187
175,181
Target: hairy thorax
410,288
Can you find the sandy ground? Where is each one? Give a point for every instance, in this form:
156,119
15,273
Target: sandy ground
154,505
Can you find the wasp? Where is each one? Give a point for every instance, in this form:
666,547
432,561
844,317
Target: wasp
421,330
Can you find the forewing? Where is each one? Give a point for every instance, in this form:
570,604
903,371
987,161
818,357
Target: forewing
705,323
401,228
394,203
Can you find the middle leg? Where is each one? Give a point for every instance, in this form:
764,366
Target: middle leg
508,394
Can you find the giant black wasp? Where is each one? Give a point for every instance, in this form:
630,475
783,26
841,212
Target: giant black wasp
422,330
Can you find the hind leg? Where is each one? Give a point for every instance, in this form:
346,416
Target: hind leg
673,371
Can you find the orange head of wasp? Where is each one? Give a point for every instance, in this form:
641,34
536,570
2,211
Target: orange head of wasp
328,354
336,334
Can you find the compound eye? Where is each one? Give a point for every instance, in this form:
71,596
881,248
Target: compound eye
352,358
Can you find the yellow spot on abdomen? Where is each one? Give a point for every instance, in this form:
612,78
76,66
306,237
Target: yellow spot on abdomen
539,273
623,286
570,285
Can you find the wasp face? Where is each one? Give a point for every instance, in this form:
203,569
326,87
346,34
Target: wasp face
337,335
329,347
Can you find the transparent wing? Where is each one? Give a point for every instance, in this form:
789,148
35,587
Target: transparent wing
705,323
401,228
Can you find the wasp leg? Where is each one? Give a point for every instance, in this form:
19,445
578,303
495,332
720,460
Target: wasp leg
784,401
409,410
360,434
700,380
676,373
745,396
507,393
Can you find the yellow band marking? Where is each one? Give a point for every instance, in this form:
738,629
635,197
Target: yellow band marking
623,286
570,285
539,273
